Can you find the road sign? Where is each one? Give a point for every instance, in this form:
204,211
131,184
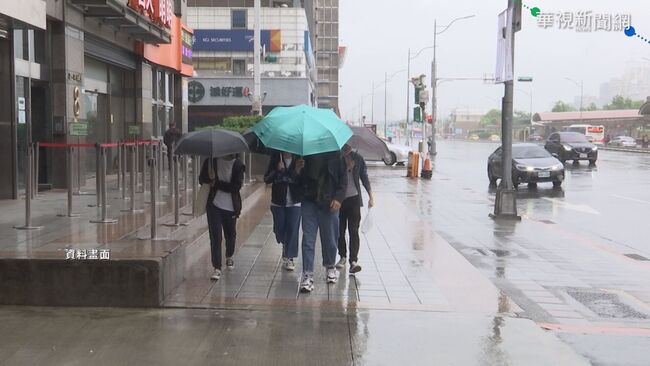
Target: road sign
505,69
78,129
424,96
134,130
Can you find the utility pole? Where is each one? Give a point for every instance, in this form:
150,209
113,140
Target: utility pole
506,201
408,109
434,90
257,42
372,104
385,108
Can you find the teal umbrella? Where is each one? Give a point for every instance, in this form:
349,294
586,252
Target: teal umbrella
302,130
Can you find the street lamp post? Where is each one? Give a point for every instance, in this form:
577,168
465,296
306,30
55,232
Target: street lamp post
434,83
386,79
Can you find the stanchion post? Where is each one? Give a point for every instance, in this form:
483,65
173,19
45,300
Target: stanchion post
119,165
69,153
133,174
195,173
177,198
184,157
124,159
28,192
102,186
37,150
97,174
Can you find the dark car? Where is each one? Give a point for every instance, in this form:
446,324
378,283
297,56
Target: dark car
530,164
571,146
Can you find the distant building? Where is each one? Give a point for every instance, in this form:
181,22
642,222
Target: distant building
616,122
224,58
634,84
464,120
323,17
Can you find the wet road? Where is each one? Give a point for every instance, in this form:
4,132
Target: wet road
576,263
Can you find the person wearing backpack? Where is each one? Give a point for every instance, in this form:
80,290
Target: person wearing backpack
226,177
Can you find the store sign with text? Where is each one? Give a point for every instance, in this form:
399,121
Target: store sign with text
186,47
159,11
235,40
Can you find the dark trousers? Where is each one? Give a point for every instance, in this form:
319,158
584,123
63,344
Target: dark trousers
219,220
286,226
350,217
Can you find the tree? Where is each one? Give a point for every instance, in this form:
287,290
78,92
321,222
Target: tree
491,118
560,106
520,118
591,107
620,102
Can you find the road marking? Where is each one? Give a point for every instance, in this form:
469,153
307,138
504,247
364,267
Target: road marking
590,329
631,199
570,206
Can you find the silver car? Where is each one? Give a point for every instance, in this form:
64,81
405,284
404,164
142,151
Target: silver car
399,154
623,141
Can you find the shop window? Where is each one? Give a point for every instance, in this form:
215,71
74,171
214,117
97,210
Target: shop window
239,67
21,44
238,17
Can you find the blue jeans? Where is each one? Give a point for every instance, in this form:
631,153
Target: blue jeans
327,222
286,226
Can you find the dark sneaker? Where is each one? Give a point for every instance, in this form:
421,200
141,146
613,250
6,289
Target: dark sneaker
354,267
230,263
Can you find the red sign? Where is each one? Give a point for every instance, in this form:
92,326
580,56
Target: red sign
595,129
159,11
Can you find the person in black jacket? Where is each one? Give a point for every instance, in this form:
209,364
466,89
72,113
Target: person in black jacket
323,184
226,176
283,172
350,213
170,139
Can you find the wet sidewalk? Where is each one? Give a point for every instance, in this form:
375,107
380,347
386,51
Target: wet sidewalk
406,266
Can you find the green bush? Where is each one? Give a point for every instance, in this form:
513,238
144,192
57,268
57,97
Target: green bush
237,123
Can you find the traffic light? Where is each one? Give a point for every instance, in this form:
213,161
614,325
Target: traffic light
417,114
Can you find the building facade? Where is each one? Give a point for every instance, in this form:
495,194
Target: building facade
323,18
223,57
87,71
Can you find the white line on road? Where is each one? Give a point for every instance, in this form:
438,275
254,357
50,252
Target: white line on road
631,199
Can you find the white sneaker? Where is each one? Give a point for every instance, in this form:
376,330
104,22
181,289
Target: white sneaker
288,264
341,263
354,267
332,275
216,275
307,284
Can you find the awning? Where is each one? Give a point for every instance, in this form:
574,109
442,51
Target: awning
116,14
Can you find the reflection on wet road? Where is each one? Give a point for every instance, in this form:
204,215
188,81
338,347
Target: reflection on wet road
578,258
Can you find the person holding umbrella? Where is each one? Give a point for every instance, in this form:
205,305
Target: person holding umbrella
318,135
226,178
286,194
222,176
350,213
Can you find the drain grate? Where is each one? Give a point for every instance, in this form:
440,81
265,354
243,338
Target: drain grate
637,257
606,305
549,222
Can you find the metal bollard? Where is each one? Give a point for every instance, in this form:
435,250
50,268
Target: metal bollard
153,168
184,166
69,153
119,165
195,189
123,163
37,153
144,167
177,198
28,192
98,189
102,187
133,175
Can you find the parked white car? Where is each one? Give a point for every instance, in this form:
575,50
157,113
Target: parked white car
399,154
623,141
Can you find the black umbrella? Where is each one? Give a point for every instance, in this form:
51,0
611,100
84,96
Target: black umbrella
211,142
368,144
